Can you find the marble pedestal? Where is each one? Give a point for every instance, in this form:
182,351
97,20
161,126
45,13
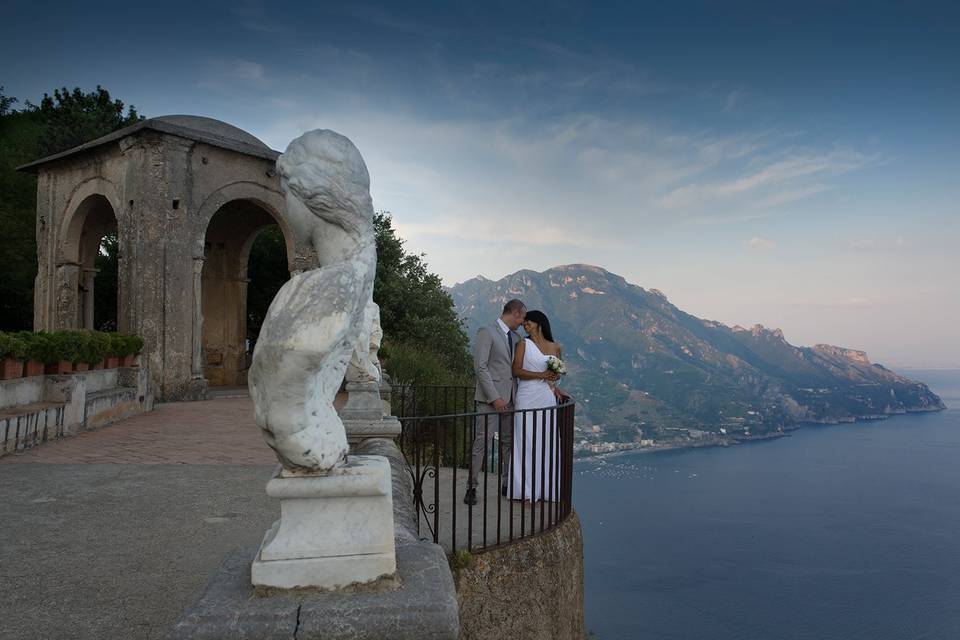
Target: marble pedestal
363,401
335,529
365,414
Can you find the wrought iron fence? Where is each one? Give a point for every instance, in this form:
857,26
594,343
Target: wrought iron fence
519,465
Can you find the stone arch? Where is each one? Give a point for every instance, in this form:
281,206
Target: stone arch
268,199
74,214
90,215
228,239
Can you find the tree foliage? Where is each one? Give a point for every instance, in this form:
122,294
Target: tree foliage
63,120
424,339
74,117
267,272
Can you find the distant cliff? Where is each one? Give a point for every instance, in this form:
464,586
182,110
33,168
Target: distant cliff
640,366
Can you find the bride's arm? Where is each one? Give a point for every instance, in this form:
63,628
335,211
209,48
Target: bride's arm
524,374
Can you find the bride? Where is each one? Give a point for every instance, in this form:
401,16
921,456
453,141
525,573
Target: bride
534,472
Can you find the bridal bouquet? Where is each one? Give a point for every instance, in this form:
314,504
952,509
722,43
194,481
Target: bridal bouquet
556,365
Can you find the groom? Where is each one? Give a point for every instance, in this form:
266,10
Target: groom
493,364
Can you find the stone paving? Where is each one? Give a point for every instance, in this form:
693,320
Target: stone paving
209,432
113,532
527,520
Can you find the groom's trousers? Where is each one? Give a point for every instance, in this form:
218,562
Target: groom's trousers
488,423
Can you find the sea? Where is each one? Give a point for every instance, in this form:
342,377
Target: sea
847,531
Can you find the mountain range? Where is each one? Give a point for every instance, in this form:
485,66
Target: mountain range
640,368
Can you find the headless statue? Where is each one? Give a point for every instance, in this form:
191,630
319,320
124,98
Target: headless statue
316,320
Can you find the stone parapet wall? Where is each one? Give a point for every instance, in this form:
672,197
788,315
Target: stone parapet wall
41,408
530,589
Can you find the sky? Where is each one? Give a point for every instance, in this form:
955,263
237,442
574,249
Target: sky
789,164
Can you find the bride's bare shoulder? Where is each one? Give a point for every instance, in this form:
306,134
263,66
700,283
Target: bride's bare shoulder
553,349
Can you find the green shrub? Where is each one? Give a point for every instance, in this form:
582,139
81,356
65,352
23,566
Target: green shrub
12,346
89,347
68,344
118,343
127,345
104,343
93,346
461,559
415,365
40,346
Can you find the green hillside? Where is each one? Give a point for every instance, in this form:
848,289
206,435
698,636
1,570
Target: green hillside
639,365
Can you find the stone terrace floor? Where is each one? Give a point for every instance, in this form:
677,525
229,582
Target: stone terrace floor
113,532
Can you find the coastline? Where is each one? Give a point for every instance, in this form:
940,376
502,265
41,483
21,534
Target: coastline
730,441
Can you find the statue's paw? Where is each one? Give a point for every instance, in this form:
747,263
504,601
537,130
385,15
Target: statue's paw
311,449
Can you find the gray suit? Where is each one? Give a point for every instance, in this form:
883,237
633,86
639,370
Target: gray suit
493,366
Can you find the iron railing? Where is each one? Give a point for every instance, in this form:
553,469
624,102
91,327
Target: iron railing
440,425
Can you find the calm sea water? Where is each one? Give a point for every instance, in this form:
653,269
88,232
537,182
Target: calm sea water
848,531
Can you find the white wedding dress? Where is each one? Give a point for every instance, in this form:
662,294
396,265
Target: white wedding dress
534,471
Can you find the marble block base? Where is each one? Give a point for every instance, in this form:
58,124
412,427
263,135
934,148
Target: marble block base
363,401
335,529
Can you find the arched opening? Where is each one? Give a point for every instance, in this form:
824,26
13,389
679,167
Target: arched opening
92,246
245,264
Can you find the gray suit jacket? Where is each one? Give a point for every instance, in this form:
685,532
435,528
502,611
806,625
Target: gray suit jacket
492,364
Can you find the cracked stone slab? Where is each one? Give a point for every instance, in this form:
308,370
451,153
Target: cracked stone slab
228,609
423,606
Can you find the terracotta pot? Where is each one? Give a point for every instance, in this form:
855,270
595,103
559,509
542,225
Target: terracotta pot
58,368
81,366
113,362
129,361
33,368
11,368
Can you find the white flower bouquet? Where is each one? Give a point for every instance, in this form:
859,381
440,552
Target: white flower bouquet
556,365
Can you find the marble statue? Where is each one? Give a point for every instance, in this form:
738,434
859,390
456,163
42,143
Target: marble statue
364,365
315,322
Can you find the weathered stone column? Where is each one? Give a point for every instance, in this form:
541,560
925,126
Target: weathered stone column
196,365
89,275
67,290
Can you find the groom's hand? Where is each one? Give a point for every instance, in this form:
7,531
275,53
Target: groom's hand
500,404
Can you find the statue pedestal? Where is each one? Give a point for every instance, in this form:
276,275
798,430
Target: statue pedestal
335,529
363,401
365,414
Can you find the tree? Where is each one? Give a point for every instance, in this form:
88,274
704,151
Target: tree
267,272
72,118
62,121
424,339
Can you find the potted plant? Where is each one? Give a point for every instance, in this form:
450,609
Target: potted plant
63,351
102,347
12,351
84,352
91,349
129,347
111,347
35,343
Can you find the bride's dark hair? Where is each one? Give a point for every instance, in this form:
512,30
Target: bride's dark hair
541,319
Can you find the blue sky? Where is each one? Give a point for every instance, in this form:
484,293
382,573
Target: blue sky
794,165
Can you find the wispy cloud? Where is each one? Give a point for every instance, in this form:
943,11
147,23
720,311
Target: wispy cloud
785,174
253,17
757,242
733,99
